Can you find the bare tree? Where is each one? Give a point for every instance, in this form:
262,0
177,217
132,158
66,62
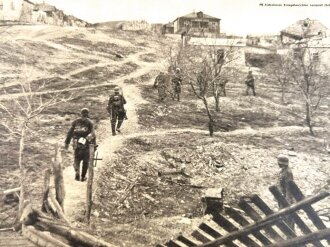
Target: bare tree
279,71
219,59
311,78
21,111
196,71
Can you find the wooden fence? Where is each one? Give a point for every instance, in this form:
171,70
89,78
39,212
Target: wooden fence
256,224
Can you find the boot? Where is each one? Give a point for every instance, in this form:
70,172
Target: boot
120,122
113,129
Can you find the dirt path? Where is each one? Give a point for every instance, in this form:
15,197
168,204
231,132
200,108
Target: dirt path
75,190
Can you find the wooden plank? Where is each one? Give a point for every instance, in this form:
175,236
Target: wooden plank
298,195
209,230
267,211
42,238
256,217
229,227
187,241
269,220
200,236
215,234
300,223
173,243
306,239
243,222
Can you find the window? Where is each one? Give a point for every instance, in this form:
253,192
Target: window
315,56
204,24
297,53
195,24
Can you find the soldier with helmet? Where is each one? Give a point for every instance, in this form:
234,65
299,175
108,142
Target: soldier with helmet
116,110
176,84
82,134
249,82
284,179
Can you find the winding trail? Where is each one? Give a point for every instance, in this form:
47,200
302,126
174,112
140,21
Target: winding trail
75,192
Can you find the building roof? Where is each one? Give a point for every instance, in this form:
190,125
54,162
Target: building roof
196,15
311,27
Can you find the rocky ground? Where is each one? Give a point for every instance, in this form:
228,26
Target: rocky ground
134,204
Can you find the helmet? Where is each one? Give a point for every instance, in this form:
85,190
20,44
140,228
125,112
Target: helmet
177,69
84,111
116,89
282,159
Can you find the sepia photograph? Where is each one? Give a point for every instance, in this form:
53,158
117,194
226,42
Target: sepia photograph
153,123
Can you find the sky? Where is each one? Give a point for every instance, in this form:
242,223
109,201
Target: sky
237,16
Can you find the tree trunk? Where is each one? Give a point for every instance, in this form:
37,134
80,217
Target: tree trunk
58,177
309,118
211,122
282,93
22,172
89,197
217,103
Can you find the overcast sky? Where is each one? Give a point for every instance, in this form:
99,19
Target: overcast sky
237,16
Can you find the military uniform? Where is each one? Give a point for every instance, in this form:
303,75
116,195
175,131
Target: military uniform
249,81
117,111
222,86
284,178
82,134
160,84
176,84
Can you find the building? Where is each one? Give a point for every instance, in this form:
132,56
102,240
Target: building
168,28
302,29
16,10
197,24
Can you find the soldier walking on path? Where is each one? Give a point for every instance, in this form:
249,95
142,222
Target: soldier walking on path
176,84
284,179
249,81
116,110
82,134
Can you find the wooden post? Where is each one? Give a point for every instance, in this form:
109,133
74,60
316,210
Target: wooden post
45,190
58,177
89,197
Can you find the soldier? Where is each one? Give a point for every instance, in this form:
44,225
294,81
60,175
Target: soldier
285,177
176,84
249,81
82,134
222,85
160,84
116,110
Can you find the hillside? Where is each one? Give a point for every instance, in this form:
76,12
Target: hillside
134,206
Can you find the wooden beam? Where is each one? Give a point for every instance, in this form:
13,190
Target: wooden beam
309,210
300,223
58,208
41,238
45,190
269,220
58,177
89,196
267,211
77,236
306,239
236,216
229,227
256,217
